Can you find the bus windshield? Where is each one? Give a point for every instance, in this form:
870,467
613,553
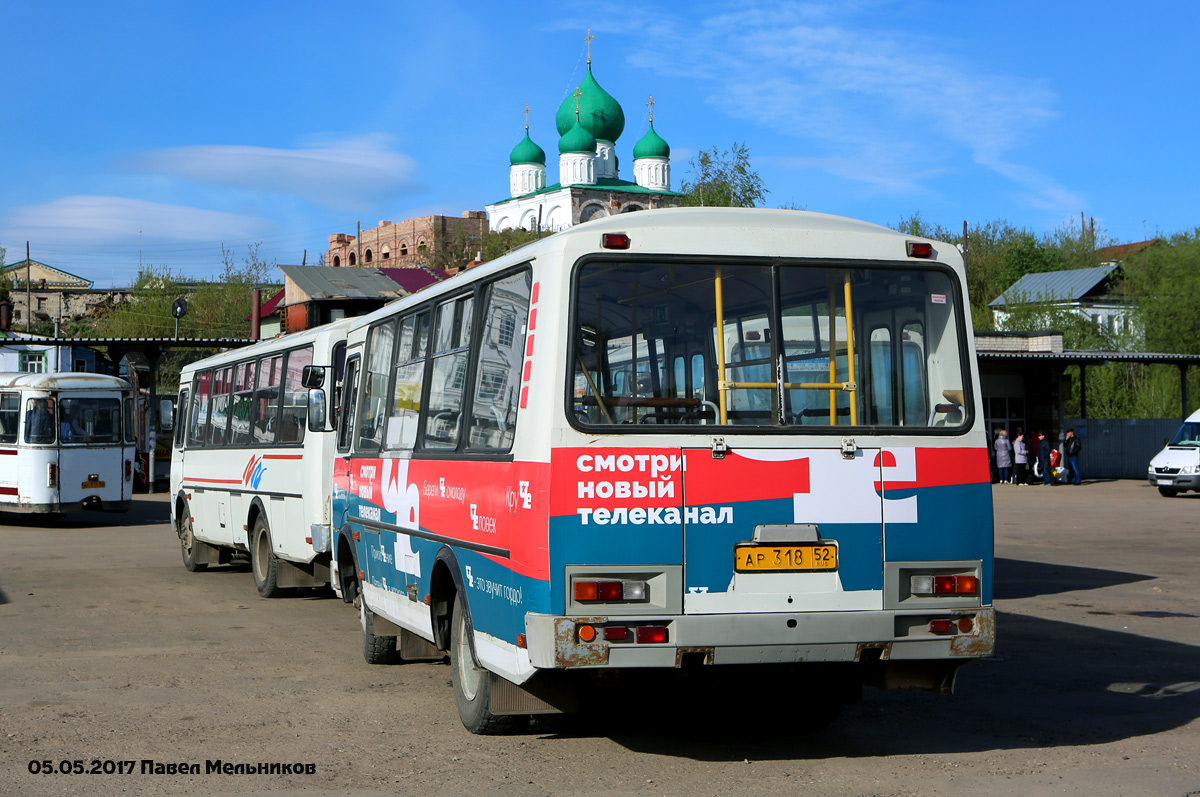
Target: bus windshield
795,345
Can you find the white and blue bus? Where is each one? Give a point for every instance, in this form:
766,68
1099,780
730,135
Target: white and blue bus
729,440
252,459
66,443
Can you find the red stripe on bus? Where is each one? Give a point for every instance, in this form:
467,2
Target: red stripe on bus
8,452
283,456
216,481
8,490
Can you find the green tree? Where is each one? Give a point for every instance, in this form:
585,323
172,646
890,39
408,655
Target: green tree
1163,281
217,308
722,178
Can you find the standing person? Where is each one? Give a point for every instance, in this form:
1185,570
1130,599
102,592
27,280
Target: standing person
1004,457
1020,458
1071,448
1043,458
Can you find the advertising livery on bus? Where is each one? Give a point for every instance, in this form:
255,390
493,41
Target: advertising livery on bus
66,443
733,441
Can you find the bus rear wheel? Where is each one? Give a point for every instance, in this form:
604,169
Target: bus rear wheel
472,683
263,562
187,545
376,649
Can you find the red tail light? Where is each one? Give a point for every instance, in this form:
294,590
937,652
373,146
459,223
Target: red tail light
651,634
920,249
52,475
614,240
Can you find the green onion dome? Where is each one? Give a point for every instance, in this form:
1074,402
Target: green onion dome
651,146
599,113
577,139
527,152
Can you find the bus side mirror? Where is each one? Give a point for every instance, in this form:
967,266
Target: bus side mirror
312,377
166,415
316,410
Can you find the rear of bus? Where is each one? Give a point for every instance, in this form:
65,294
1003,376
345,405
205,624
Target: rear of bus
767,450
72,442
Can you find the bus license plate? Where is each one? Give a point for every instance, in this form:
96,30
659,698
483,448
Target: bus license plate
784,558
92,485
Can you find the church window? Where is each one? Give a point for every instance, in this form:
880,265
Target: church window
403,250
387,253
421,246
353,261
337,261
367,256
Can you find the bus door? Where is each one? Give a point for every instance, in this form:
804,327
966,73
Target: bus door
92,462
782,530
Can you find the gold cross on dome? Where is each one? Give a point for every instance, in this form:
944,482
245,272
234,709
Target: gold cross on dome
588,39
578,93
650,105
527,116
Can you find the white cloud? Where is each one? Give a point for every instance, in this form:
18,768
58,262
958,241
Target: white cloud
883,107
111,220
344,173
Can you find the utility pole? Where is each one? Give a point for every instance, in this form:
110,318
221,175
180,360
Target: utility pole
28,294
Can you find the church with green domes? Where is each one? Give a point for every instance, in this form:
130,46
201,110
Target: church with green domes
589,186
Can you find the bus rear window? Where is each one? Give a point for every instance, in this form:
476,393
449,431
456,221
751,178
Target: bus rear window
797,346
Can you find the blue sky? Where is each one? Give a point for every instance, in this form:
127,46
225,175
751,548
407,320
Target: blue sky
162,131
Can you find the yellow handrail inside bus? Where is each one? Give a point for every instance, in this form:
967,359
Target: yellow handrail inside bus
850,386
722,384
850,353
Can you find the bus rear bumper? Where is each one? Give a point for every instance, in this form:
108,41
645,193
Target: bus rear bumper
56,508
556,642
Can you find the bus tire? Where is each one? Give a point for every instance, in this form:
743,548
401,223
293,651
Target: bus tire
376,649
472,683
263,562
1168,492
187,545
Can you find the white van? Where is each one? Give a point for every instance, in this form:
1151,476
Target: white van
1176,469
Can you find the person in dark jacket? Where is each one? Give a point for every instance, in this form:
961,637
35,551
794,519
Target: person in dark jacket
1071,448
1043,456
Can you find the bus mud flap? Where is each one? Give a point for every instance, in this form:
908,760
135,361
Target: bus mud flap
542,694
415,648
205,554
292,574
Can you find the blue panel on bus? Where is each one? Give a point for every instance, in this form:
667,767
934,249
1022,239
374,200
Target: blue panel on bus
951,526
710,546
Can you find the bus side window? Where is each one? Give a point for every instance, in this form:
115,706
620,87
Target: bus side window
199,425
266,399
376,370
448,376
10,414
498,377
347,415
293,420
219,423
410,381
181,408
